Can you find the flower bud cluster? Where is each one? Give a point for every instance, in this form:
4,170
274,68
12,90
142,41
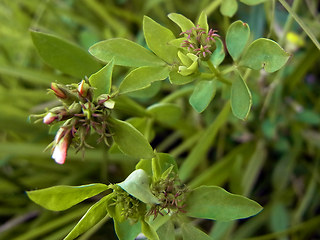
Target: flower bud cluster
200,42
171,194
80,115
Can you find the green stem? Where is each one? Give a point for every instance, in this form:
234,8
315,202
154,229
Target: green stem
216,72
301,23
177,94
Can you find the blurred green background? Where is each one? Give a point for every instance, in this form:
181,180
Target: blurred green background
273,157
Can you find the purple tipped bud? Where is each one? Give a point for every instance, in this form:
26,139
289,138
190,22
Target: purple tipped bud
49,118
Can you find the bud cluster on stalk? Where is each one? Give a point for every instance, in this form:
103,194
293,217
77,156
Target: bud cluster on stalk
80,115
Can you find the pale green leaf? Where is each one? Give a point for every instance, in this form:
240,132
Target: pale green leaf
241,99
203,22
64,56
158,38
252,2
60,198
229,7
183,22
142,77
129,140
102,80
189,232
148,231
264,53
167,113
127,231
237,37
166,231
202,95
213,202
218,54
125,53
177,79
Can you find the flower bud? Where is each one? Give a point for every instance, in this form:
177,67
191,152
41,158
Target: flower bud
58,90
49,118
62,142
83,88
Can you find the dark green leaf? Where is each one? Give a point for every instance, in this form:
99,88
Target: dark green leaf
183,22
142,77
240,98
137,184
158,38
125,53
130,140
60,198
202,95
64,56
127,231
264,53
189,232
102,80
213,202
94,215
237,37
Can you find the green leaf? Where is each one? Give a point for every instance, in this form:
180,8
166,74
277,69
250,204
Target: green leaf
148,231
229,7
264,53
202,95
183,22
240,98
130,140
60,198
125,230
125,53
137,185
142,77
166,231
177,79
64,56
94,215
189,232
213,202
102,80
148,92
237,37
218,54
203,21
252,2
158,38
167,113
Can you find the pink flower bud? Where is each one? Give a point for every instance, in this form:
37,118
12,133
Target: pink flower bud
83,88
49,118
62,142
59,93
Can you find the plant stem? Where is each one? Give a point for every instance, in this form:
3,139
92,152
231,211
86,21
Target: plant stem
177,94
217,73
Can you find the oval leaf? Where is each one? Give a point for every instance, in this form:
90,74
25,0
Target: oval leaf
212,202
60,198
158,38
177,79
202,95
93,216
64,56
125,53
137,185
102,80
264,53
237,37
142,77
125,230
130,140
183,22
190,232
229,7
167,113
240,98
218,55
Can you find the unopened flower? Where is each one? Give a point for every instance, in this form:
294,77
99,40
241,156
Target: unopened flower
62,142
49,118
58,90
83,88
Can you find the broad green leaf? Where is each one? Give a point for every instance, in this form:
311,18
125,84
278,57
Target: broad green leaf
162,165
218,54
202,95
189,232
252,2
240,98
237,37
158,38
264,53
143,125
177,79
137,185
127,231
130,140
167,113
213,202
148,92
125,53
148,231
166,231
145,165
94,215
64,56
203,21
229,7
102,80
60,198
183,22
142,77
